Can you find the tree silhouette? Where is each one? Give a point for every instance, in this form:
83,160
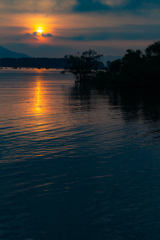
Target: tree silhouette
153,49
83,66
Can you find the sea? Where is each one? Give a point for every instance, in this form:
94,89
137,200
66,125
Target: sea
77,162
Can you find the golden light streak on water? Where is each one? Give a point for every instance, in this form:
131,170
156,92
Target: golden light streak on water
38,98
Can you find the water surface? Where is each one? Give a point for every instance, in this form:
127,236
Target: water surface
75,162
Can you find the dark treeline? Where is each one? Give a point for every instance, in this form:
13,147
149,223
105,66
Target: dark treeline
33,62
134,69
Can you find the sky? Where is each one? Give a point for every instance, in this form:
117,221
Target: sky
53,28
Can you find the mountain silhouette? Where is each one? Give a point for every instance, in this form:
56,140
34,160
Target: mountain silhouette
5,53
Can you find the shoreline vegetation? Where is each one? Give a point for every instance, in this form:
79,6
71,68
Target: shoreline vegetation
135,69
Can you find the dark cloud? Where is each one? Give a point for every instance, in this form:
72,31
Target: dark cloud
133,6
14,28
121,32
52,6
36,6
89,6
36,35
19,37
46,35
28,36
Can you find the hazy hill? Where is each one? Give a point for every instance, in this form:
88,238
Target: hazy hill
5,53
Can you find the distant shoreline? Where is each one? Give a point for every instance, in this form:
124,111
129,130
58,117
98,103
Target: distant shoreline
29,68
56,63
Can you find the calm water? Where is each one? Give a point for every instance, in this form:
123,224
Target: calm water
77,163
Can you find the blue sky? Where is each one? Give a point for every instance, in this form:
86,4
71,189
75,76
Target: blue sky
68,26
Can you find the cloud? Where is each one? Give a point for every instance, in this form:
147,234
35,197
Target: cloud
134,6
14,28
29,36
18,38
113,3
120,32
36,6
46,35
59,6
36,35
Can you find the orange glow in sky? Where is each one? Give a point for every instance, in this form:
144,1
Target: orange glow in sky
27,31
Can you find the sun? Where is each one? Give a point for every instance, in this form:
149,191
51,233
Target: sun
39,30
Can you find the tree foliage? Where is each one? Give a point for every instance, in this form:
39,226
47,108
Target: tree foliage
83,66
134,69
153,49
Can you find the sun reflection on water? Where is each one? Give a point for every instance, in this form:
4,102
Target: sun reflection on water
38,97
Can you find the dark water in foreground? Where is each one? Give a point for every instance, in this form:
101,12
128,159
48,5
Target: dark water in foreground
77,163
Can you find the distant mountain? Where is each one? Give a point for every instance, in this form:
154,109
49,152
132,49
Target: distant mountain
110,58
5,53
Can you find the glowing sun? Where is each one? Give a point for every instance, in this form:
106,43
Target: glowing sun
40,30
